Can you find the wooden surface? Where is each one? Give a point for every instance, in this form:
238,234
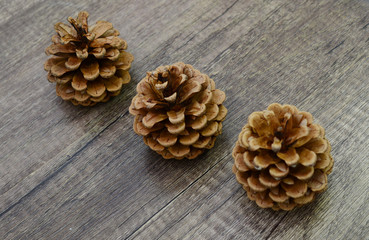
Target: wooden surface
71,172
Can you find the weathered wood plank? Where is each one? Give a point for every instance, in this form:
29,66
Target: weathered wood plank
25,133
335,112
77,173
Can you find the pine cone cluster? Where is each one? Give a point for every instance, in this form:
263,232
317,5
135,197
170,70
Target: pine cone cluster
178,111
89,64
282,158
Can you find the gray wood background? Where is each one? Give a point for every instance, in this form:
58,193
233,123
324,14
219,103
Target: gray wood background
71,172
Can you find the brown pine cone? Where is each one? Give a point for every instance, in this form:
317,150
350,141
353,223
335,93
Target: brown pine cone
282,158
89,64
178,111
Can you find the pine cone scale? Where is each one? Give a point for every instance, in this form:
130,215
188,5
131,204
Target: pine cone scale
267,180
100,28
79,83
176,117
73,63
290,156
189,139
57,48
307,157
59,69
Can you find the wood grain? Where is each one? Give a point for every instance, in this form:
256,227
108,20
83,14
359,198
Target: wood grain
71,172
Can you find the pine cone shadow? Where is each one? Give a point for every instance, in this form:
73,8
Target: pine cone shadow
301,215
171,175
304,213
279,221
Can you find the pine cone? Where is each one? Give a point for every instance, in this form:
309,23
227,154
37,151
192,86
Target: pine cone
178,111
282,158
89,64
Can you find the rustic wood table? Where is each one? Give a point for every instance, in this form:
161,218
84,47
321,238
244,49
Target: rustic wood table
72,172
